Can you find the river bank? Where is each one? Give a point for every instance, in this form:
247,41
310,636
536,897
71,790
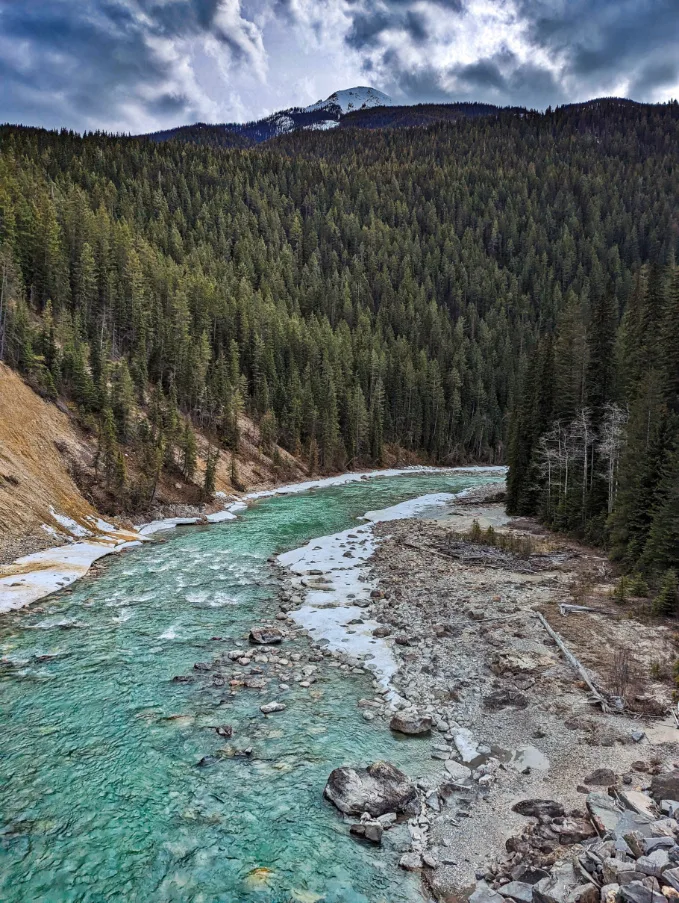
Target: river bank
116,689
461,646
37,573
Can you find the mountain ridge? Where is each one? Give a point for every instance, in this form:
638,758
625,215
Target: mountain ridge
360,107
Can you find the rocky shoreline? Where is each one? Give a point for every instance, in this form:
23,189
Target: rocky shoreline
510,722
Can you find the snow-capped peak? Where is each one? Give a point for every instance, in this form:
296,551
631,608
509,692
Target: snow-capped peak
360,98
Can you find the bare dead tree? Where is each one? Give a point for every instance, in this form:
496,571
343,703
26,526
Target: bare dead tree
583,437
610,445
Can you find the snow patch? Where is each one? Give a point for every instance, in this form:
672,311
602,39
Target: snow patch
168,523
359,98
220,516
411,508
322,126
71,526
34,576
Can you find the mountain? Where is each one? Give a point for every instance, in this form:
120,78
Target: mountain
322,115
351,99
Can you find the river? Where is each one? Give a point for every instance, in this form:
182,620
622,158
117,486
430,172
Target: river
101,797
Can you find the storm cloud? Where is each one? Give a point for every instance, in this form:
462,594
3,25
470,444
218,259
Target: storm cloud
138,65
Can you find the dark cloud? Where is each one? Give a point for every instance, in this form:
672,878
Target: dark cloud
602,41
90,63
369,23
593,47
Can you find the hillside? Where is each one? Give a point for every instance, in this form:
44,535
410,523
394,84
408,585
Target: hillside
450,293
36,441
48,486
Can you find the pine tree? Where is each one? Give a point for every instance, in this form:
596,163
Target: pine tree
210,473
667,600
189,452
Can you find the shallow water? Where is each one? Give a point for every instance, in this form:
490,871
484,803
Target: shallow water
101,797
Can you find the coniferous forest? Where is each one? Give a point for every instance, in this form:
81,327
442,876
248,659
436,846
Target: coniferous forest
502,289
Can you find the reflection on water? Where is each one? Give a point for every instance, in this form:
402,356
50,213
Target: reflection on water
101,797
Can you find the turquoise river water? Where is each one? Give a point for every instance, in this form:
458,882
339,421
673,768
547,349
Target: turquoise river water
101,797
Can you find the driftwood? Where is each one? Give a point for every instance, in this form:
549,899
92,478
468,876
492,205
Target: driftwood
596,695
565,608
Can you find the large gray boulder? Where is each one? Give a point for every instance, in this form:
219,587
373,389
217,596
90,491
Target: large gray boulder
604,812
411,724
564,886
265,636
665,786
377,789
636,892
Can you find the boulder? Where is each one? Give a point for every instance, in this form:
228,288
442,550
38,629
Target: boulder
467,747
485,894
411,862
458,772
602,777
517,890
604,812
564,886
377,789
636,892
610,893
654,864
369,830
266,636
637,802
651,844
225,730
671,878
665,786
413,725
380,632
573,830
618,871
539,808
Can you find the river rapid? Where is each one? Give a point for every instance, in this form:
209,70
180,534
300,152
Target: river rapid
101,796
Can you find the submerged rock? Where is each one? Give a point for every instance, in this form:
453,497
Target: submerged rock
377,789
369,830
269,708
413,725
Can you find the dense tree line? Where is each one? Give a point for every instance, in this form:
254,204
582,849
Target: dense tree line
350,290
595,432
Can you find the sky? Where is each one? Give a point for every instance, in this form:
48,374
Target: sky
141,65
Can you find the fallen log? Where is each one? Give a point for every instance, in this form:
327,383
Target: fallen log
597,696
566,608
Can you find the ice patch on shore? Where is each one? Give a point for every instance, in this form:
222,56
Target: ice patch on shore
411,508
34,576
219,516
332,573
167,523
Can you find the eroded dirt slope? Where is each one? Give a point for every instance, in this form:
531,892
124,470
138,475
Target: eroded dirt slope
34,477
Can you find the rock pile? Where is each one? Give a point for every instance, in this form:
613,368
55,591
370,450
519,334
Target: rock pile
623,849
